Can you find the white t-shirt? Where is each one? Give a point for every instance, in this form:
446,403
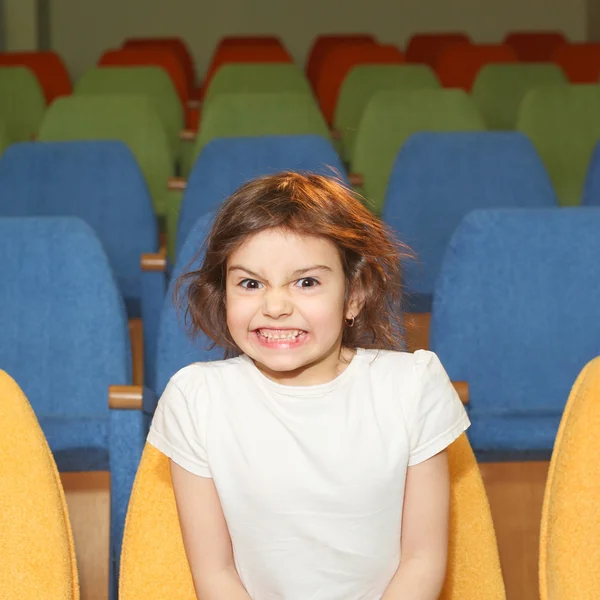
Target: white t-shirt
311,479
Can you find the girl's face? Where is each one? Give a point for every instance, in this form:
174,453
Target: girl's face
285,306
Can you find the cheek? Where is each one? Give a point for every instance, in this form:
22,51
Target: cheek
239,311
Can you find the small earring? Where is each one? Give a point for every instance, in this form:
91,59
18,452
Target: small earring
350,322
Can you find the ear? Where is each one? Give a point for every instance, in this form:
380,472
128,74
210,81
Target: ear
355,303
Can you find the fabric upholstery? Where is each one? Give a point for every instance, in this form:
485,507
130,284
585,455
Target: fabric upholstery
438,178
152,82
591,188
22,103
517,294
154,563
535,46
425,48
38,556
257,78
225,164
365,80
580,61
569,550
255,114
128,118
564,125
391,118
499,90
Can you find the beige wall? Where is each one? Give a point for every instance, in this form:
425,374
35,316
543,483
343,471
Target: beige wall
20,25
82,29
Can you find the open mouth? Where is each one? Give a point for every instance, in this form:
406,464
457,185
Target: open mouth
280,338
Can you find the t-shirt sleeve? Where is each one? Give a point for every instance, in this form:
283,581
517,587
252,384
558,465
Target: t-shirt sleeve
438,415
178,428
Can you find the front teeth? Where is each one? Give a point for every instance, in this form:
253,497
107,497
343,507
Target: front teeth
280,336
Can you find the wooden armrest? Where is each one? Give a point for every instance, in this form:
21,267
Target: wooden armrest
155,261
356,179
188,135
462,389
335,134
125,397
176,184
193,104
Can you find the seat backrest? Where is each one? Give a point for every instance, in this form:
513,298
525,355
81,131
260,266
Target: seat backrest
166,58
224,165
459,64
176,44
438,178
257,77
569,552
128,118
390,118
591,188
22,103
580,62
518,287
64,330
152,82
340,61
255,114
175,347
499,89
100,182
322,44
535,46
363,81
425,48
564,125
49,68
154,563
38,557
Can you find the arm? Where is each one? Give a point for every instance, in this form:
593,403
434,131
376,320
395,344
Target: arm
425,522
206,537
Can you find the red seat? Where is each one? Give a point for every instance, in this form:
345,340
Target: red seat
580,62
535,46
426,48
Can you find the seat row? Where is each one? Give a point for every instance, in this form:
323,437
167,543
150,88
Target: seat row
515,318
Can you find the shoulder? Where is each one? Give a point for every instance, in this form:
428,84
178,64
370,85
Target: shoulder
402,365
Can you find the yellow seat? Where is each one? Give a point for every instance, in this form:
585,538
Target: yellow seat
154,564
36,545
570,531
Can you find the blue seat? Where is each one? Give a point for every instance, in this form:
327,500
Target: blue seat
175,347
440,177
65,340
224,165
101,183
591,188
516,315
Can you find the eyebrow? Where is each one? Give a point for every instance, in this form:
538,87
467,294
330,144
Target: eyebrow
296,273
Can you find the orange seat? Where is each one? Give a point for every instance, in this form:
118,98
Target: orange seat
459,64
580,62
48,67
246,54
321,47
425,48
176,44
160,57
535,46
340,61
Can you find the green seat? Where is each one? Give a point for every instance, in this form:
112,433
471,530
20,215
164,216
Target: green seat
391,118
22,103
152,82
4,141
499,89
257,78
128,118
563,123
365,80
250,115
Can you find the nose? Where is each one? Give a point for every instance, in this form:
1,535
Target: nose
277,304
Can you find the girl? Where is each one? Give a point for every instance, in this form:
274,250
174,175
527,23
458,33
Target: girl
311,465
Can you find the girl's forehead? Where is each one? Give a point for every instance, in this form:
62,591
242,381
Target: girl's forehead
284,247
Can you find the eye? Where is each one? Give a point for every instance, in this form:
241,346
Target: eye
250,284
307,282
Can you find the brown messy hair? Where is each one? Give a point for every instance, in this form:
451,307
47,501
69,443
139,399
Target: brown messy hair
305,204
